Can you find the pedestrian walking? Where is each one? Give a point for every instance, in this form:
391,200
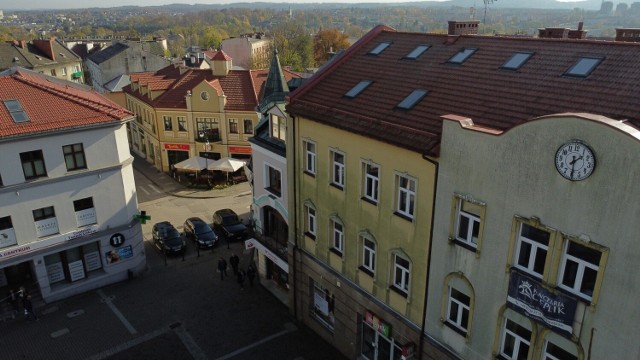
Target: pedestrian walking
251,274
241,275
28,308
234,260
222,267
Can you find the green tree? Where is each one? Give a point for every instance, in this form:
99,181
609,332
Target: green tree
327,41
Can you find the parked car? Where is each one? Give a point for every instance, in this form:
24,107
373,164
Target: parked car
227,223
167,239
200,232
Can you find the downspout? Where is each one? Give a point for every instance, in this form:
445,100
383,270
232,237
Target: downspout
295,218
426,288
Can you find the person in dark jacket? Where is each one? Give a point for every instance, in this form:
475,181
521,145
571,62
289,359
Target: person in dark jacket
241,275
28,308
234,260
222,267
251,274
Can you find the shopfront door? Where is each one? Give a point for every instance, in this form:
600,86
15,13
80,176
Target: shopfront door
376,346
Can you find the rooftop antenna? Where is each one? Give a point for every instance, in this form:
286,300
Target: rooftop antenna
484,21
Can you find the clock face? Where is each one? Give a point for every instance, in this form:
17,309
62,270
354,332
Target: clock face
204,95
575,160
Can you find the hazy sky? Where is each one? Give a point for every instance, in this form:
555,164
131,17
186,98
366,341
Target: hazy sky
74,4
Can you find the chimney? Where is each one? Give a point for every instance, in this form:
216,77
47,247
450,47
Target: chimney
46,46
580,24
463,27
628,35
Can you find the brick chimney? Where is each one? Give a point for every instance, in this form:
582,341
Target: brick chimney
46,46
563,33
463,27
628,34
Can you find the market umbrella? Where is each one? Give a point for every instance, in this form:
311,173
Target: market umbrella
196,163
227,165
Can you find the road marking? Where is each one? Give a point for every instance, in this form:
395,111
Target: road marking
129,344
155,189
190,344
125,322
288,328
143,190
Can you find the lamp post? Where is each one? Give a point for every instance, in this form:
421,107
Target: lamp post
207,148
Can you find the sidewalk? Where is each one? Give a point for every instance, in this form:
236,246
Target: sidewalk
174,188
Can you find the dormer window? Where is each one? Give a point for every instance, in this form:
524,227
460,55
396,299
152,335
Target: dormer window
462,56
415,53
583,67
410,101
16,111
380,48
278,127
358,88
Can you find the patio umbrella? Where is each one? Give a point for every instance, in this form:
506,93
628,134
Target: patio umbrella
227,165
196,163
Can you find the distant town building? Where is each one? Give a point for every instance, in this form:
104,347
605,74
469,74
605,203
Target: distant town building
68,216
248,51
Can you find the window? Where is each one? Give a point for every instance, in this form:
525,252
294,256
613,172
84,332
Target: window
337,236
467,223
207,130
168,123
16,111
406,196
358,88
248,126
323,302
337,169
579,269
85,211
516,61
182,123
415,53
278,128
371,182
401,272
310,157
368,254
274,180
63,71
515,341
310,221
554,352
531,250
380,48
33,164
74,157
233,126
461,56
412,99
458,307
53,72
583,67
45,221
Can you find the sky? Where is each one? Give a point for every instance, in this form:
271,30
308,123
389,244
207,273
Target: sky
75,4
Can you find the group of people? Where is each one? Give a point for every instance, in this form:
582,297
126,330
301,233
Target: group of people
240,274
22,297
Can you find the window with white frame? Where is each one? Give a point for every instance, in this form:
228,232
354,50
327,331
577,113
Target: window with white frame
45,221
33,164
182,123
233,126
516,340
401,273
555,352
371,182
310,221
74,157
467,223
323,304
168,123
7,233
531,250
406,196
579,269
310,157
337,236
85,211
337,169
278,127
458,307
274,180
368,254
247,126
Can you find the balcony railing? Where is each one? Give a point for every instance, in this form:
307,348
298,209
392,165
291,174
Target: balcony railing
76,75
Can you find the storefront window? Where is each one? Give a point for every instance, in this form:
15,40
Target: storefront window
73,264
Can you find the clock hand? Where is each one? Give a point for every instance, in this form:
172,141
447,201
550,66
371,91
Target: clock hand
573,165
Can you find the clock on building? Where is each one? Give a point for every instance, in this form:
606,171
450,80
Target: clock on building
575,160
204,95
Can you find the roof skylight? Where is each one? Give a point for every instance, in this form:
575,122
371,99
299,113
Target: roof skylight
380,48
415,53
462,56
516,61
16,111
583,67
358,88
413,98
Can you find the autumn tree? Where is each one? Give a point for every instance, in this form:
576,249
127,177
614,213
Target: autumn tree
295,46
328,41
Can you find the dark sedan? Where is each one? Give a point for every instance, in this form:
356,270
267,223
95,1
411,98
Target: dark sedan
200,232
167,239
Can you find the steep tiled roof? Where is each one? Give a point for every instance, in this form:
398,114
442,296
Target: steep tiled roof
31,56
52,104
477,88
237,86
107,53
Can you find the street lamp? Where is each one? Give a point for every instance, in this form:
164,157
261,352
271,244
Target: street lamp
207,148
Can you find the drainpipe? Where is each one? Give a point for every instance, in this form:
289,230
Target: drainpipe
295,215
426,289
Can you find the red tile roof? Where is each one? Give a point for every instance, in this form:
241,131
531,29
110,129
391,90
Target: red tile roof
478,88
52,104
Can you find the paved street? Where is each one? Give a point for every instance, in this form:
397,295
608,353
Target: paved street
178,309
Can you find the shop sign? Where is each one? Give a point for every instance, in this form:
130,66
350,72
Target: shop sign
8,237
76,270
118,254
176,146
240,149
92,261
52,240
253,243
376,323
531,299
55,272
86,217
47,227
116,240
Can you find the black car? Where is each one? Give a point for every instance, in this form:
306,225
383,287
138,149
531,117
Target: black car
227,223
200,232
167,239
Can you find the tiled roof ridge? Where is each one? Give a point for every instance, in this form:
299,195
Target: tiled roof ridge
324,72
105,108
